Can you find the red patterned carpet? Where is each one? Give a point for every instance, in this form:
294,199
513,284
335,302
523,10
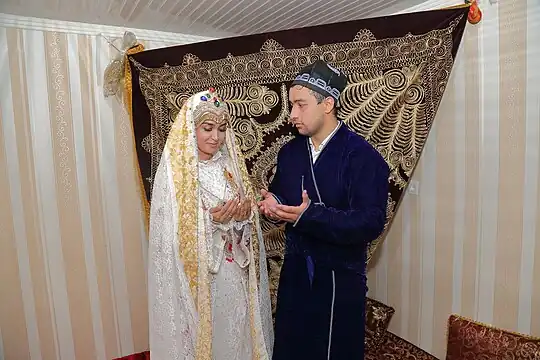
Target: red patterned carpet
140,356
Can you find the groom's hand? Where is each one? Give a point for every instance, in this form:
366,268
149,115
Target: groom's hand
267,205
292,213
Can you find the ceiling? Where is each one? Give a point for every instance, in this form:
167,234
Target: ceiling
212,18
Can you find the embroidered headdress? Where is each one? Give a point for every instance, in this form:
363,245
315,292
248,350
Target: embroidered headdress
208,105
322,78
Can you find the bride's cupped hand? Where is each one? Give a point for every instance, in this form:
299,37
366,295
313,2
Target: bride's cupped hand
222,214
243,210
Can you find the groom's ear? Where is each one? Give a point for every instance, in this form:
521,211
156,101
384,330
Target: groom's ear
329,105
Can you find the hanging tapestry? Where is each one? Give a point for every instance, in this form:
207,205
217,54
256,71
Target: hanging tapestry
397,66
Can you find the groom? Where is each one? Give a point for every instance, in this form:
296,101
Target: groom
331,188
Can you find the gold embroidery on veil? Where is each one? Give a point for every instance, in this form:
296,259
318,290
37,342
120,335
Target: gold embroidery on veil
182,147
181,144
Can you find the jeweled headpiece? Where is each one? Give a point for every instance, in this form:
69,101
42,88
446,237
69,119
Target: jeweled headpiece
207,105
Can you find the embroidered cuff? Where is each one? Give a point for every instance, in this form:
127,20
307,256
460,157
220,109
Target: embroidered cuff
239,225
219,226
222,227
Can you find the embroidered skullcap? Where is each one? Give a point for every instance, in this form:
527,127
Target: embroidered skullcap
322,78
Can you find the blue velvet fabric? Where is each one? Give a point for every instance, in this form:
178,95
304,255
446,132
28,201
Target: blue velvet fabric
346,213
352,179
304,313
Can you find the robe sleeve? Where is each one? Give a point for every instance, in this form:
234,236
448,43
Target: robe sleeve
367,191
276,186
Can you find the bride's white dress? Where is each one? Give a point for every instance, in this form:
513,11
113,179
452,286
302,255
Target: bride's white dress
228,265
173,316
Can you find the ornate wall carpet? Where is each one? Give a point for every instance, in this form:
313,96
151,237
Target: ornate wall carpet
398,68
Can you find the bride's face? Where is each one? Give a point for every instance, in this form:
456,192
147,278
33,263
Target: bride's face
210,137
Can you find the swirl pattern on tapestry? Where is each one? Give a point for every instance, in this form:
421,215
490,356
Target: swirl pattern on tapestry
395,87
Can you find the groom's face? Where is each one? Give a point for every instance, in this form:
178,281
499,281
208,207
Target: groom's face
307,114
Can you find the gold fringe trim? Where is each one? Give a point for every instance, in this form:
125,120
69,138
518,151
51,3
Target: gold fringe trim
128,101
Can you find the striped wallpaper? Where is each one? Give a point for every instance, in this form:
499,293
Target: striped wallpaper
73,243
73,247
469,242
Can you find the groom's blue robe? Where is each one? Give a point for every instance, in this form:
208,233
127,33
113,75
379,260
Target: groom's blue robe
322,289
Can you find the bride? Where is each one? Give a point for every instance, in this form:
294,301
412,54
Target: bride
207,277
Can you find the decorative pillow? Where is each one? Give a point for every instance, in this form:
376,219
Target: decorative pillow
396,348
378,317
469,339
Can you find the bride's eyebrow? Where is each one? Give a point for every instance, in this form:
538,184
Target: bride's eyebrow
209,122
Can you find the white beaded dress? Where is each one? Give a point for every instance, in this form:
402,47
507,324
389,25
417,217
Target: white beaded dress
229,257
208,291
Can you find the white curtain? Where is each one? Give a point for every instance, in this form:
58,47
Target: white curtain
73,239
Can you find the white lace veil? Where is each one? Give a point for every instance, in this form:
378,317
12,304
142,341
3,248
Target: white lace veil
178,286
